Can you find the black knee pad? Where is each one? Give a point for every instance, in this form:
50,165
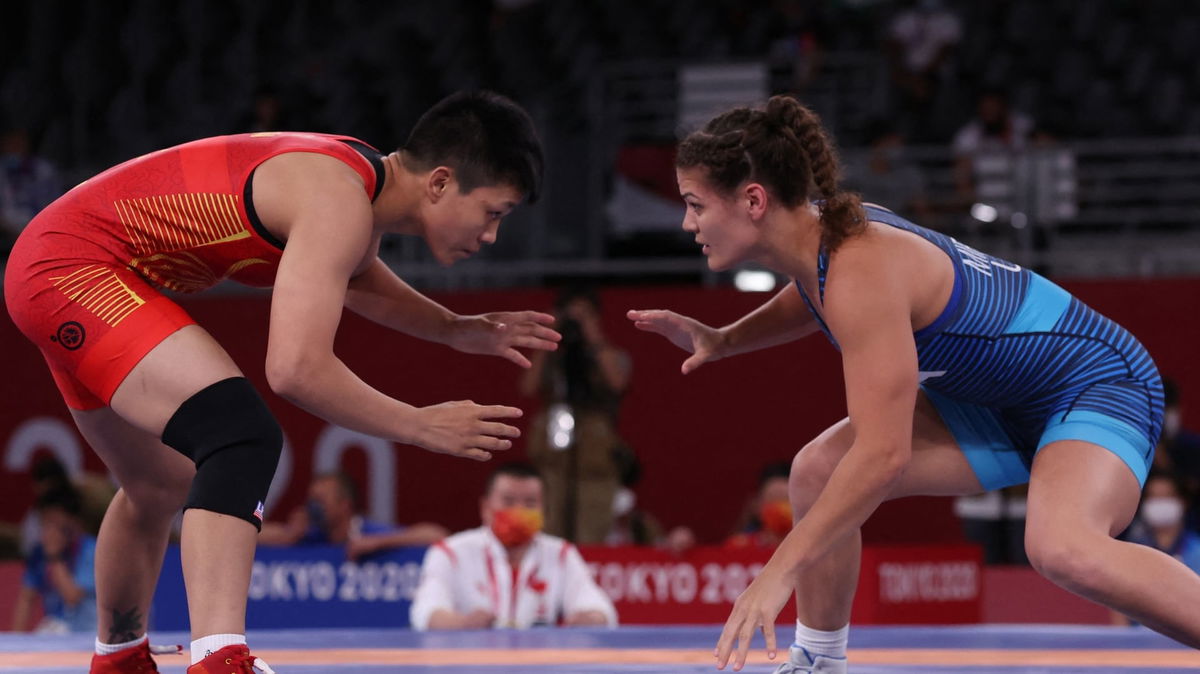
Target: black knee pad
228,432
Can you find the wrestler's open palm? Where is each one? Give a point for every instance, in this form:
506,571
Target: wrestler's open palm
755,609
687,333
463,428
502,333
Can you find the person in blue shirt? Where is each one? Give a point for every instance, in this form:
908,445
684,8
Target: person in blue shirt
60,568
963,373
331,517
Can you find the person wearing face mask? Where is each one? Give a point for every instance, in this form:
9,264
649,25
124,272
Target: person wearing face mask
1160,523
1179,447
983,149
768,516
506,573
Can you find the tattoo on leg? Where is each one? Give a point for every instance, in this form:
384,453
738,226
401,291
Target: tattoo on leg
126,626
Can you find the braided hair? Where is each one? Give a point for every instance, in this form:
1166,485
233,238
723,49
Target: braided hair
785,148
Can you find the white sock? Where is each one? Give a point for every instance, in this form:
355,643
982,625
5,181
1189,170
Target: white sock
819,642
206,646
108,649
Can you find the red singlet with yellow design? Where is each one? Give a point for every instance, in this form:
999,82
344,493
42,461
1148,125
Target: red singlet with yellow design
83,281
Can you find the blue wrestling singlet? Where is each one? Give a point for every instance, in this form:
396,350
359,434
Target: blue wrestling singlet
1014,362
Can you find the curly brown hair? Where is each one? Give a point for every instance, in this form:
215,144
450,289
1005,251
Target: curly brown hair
783,147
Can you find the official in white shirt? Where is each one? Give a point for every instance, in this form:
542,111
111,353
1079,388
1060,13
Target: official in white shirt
506,573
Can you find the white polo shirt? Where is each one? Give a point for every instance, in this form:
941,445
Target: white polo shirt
470,571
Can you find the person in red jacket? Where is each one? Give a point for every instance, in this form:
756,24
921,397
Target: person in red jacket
303,213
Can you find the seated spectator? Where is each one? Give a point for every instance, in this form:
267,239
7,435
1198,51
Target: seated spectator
921,39
95,491
891,178
1178,447
506,573
1160,523
767,518
331,517
60,569
983,148
632,525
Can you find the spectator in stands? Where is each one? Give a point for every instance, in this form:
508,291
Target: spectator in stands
1160,522
634,526
28,183
982,147
797,32
920,40
1178,449
886,174
583,380
47,474
506,573
767,517
331,517
60,569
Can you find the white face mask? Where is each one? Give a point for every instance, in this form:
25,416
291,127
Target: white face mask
1162,511
1172,421
623,502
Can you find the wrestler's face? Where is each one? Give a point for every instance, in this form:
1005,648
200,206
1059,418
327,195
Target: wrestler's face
459,223
721,225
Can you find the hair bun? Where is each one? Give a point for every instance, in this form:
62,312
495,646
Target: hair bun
785,112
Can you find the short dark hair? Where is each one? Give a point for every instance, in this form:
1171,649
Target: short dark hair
62,496
516,469
486,138
773,470
577,291
345,484
48,469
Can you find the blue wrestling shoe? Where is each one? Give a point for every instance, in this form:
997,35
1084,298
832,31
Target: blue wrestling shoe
801,661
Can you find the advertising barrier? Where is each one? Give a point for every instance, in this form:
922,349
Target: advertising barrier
316,586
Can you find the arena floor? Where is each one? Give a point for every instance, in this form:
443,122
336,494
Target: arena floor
1017,649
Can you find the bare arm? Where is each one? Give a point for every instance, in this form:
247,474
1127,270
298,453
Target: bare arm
782,319
868,309
329,234
285,533
423,533
381,296
58,572
23,609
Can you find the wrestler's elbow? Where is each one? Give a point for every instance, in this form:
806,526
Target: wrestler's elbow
292,375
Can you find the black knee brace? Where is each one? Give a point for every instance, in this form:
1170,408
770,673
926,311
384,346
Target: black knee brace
228,432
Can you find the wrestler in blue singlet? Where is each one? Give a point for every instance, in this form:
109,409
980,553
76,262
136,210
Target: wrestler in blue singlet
1014,363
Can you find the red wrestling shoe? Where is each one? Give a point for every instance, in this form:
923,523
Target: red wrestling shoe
231,660
136,659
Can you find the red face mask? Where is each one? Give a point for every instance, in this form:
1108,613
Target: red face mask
516,526
776,517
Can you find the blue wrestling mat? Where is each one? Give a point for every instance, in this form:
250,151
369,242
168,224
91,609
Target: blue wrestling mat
991,649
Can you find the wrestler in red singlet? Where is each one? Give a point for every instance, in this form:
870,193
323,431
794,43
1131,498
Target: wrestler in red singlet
83,280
